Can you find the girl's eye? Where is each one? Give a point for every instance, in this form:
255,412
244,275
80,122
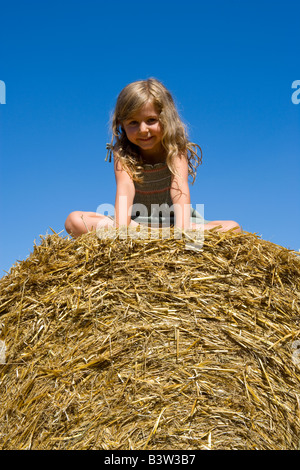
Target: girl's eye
149,121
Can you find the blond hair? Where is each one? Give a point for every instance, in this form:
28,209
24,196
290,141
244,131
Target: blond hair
175,139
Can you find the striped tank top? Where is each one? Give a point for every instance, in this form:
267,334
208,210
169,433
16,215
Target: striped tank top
154,190
152,202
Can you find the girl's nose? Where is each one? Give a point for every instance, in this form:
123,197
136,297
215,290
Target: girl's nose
143,127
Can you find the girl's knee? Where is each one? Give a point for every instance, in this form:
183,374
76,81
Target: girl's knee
223,226
79,222
234,226
72,222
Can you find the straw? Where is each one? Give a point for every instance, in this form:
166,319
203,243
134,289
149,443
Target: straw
128,343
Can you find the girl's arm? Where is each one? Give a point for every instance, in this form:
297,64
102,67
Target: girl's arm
124,195
180,193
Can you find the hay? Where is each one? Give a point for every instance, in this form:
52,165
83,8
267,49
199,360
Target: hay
144,344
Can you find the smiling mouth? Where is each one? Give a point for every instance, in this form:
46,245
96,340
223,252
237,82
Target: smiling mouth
146,140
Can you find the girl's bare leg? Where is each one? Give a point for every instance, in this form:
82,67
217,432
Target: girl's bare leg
79,222
225,226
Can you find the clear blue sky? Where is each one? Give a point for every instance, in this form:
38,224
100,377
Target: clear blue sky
230,65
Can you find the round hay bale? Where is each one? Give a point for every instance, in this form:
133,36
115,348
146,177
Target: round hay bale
145,344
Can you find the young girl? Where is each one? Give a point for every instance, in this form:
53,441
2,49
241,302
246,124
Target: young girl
153,159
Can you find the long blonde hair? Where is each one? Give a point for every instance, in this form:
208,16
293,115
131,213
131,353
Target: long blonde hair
175,139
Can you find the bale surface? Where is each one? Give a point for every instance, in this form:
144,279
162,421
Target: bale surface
145,344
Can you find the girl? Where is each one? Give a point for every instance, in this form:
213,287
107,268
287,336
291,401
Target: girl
153,159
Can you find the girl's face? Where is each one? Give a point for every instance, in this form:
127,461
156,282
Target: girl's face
144,130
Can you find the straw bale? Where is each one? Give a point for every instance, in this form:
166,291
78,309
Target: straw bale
145,344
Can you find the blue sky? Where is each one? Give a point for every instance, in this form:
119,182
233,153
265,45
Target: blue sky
230,66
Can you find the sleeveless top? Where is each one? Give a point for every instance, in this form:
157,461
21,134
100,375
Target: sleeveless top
152,202
153,191
153,194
